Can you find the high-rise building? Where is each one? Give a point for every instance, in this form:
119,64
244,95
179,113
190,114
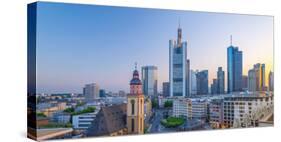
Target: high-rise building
256,78
260,76
252,80
149,79
220,81
178,66
234,69
135,106
166,89
188,77
244,82
91,92
202,82
193,83
214,87
271,81
102,93
263,75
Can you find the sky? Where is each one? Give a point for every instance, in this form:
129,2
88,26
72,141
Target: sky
81,44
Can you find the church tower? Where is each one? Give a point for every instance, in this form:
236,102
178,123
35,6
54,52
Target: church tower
135,106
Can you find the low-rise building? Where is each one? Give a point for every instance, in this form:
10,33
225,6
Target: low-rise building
83,121
110,121
61,117
190,108
216,113
237,109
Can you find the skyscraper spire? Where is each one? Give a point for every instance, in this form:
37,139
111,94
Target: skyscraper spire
179,23
179,35
231,40
136,64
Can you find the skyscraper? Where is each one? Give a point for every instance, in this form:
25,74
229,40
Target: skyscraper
260,76
188,77
166,89
263,76
220,81
193,83
244,82
252,80
271,81
178,66
214,87
234,69
91,92
202,82
149,79
135,106
102,93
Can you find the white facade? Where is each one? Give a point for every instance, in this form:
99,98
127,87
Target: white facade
190,108
237,109
83,121
91,92
180,108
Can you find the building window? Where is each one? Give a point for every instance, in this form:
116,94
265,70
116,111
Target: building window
133,125
133,106
141,106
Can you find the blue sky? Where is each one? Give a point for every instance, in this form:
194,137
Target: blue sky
80,44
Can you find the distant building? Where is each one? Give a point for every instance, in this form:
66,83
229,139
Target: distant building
252,80
166,89
271,81
256,78
149,80
260,76
202,82
214,87
102,93
91,92
188,78
178,66
61,117
244,82
220,81
193,83
234,69
122,93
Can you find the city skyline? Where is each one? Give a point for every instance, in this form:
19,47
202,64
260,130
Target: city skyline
92,49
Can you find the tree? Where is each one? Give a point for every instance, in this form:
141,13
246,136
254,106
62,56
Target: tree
154,103
69,110
87,110
40,114
168,104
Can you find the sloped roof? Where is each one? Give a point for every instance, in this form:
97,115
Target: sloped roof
109,119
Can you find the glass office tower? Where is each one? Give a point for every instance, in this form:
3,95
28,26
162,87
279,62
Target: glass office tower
178,66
